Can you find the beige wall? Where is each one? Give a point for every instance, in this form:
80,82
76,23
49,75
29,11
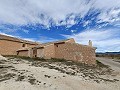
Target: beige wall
71,40
10,47
71,51
49,51
23,53
40,52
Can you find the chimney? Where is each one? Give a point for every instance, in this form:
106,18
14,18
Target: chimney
90,43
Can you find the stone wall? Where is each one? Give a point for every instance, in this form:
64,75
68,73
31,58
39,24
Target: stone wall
10,47
76,52
49,51
23,53
71,40
40,52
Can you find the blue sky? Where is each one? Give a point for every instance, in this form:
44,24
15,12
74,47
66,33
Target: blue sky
51,20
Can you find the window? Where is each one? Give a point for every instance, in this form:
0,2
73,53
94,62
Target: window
23,45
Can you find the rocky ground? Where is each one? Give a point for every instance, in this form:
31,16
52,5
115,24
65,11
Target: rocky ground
39,74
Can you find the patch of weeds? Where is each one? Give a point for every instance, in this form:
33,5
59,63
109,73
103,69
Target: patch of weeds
68,63
1,62
3,71
9,75
13,69
117,61
39,59
32,81
5,66
58,69
63,76
101,64
108,80
44,83
47,76
57,60
38,81
20,78
19,57
6,77
96,80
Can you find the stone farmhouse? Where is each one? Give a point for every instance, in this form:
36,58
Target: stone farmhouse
64,49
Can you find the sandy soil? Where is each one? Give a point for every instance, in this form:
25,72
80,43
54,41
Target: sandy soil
20,74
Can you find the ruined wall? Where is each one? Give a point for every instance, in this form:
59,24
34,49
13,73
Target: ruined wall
10,47
76,52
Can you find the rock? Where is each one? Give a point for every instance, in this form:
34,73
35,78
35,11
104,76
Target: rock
2,58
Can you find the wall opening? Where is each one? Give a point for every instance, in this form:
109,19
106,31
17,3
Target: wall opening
23,45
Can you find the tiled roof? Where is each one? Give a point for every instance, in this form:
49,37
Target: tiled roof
10,38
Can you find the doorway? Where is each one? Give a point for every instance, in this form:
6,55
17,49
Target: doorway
35,53
40,52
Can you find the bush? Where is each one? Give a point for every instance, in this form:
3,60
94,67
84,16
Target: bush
101,64
57,60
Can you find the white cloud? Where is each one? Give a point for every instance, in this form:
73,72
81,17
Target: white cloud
12,30
45,39
73,31
111,16
8,30
26,31
104,40
22,12
28,39
2,33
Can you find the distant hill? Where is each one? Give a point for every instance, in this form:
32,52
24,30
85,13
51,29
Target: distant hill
112,53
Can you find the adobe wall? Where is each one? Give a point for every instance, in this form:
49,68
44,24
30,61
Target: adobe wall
71,40
76,52
23,53
10,47
40,52
49,51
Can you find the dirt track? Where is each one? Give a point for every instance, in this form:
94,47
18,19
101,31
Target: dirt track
111,62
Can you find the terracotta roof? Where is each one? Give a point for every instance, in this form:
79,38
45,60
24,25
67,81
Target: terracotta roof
10,38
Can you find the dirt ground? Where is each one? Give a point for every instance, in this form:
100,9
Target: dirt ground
113,63
22,74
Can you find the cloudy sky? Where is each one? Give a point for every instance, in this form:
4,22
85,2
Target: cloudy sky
51,20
